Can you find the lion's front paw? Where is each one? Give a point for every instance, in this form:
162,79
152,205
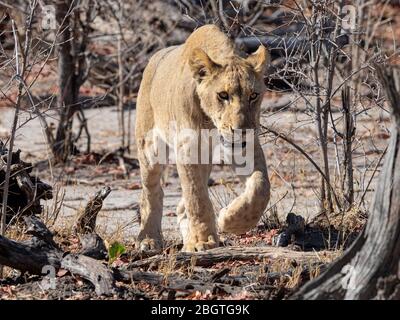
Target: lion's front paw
194,244
237,218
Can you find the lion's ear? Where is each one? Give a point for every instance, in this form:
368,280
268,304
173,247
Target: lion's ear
201,64
259,59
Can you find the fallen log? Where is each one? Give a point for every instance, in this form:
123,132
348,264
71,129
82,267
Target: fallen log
91,270
38,253
32,255
213,256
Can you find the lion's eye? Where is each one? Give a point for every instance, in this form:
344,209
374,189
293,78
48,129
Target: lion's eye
254,96
223,95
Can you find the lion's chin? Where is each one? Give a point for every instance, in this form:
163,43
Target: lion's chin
229,144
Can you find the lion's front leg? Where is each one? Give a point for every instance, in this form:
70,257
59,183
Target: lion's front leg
202,233
244,212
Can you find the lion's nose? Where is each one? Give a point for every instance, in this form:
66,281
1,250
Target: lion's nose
239,123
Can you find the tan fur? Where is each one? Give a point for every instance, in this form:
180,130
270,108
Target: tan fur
181,84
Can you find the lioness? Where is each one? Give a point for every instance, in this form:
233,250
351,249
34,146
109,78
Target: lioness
203,84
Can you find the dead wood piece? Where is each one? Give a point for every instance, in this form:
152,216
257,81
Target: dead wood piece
34,254
41,251
31,256
25,192
23,181
295,223
38,229
86,222
137,276
91,270
43,190
213,256
93,246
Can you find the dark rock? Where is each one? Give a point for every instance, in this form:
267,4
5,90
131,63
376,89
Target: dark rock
282,239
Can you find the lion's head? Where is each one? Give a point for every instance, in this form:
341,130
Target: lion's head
230,94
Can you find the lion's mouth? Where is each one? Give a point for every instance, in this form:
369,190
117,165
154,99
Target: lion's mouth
232,144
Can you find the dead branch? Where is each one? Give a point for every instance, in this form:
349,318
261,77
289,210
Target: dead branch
86,222
91,270
213,256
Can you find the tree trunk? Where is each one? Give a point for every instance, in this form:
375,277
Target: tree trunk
370,268
67,94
